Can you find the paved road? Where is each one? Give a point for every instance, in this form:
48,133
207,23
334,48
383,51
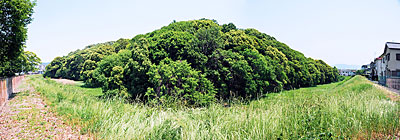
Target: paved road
387,88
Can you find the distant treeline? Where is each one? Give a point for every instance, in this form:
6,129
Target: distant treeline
193,62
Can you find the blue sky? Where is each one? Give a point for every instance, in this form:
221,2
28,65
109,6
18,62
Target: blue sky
336,31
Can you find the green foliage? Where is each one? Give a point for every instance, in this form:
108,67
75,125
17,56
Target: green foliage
124,74
177,81
228,27
350,109
32,60
360,72
110,73
238,63
80,64
25,62
54,68
15,15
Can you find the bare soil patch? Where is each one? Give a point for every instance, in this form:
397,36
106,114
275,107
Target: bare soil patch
65,81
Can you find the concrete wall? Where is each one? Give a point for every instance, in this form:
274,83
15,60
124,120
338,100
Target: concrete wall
8,86
393,83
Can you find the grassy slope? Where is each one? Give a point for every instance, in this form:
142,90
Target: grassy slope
348,109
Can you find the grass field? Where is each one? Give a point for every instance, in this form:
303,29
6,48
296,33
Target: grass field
351,109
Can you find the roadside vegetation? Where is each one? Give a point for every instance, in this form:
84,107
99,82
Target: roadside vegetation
352,108
15,15
193,62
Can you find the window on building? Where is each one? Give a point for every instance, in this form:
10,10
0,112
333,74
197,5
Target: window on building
395,73
388,56
398,56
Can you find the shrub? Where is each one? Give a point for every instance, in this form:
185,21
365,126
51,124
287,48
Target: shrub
176,81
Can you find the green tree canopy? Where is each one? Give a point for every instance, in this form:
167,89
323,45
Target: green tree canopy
195,62
26,62
15,15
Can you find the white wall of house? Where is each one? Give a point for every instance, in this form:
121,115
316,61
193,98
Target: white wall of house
384,65
346,72
379,68
393,64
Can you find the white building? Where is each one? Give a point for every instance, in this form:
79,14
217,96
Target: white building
347,72
386,68
391,59
41,68
379,69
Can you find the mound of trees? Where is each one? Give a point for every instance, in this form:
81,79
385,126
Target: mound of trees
194,62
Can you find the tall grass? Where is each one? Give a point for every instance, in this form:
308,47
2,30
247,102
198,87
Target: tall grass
348,109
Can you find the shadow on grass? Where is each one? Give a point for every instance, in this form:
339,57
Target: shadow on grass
12,96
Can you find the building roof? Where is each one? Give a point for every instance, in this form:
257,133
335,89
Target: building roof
378,59
391,45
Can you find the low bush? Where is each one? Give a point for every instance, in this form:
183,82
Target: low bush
176,81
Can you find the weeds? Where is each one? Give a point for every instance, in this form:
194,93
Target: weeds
349,109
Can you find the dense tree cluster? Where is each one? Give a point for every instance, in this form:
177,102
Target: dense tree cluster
194,62
15,15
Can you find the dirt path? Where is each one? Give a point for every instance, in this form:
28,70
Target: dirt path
26,116
65,81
